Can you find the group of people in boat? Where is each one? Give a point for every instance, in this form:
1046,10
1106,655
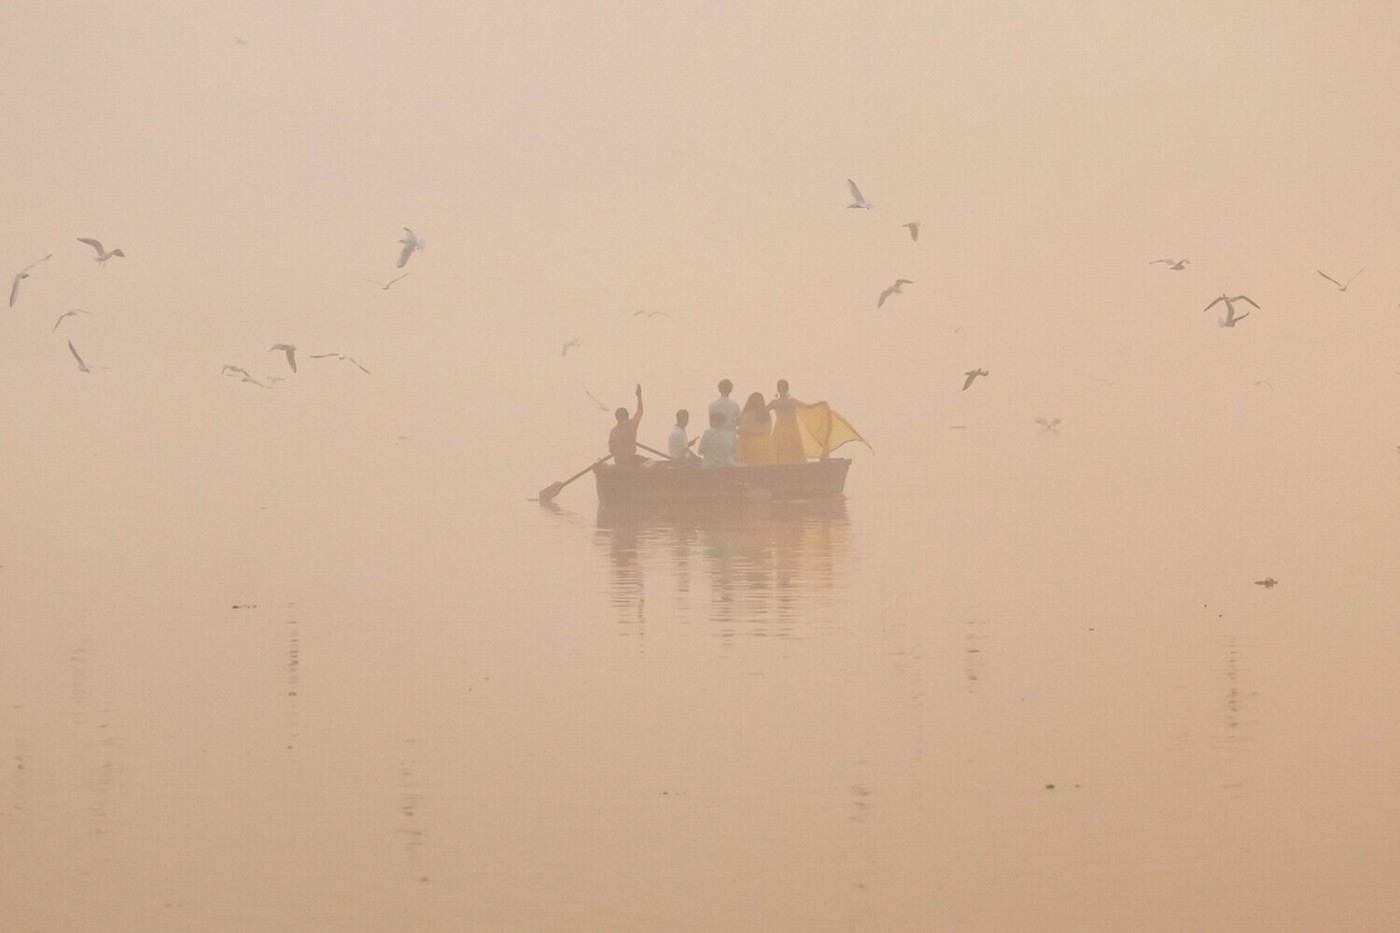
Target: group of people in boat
762,431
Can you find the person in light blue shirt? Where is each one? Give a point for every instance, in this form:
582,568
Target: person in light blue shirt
717,445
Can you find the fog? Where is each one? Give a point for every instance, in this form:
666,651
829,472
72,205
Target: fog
303,656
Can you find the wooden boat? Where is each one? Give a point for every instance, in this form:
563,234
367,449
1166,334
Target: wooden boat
664,482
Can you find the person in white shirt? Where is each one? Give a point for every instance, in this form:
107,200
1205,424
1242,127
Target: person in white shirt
678,445
726,406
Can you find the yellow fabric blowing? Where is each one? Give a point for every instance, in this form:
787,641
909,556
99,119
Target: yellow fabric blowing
823,430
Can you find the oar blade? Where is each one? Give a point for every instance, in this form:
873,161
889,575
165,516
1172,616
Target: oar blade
548,493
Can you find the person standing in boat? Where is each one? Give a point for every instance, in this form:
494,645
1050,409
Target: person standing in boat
622,440
726,405
787,439
755,432
678,444
717,443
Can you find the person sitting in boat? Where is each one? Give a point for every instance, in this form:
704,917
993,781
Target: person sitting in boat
678,443
787,438
726,405
717,444
622,440
755,432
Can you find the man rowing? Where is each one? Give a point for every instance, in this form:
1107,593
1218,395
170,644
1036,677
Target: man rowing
622,440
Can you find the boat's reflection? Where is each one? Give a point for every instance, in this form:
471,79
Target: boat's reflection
751,564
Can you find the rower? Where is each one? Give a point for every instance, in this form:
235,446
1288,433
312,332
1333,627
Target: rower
622,440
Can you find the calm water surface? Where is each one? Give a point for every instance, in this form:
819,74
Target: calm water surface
1045,696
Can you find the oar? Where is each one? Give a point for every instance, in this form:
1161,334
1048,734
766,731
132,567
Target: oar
653,450
548,493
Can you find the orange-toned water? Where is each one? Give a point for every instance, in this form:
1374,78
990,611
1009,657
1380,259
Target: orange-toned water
1016,701
306,659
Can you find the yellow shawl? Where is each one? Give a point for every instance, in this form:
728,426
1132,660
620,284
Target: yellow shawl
823,430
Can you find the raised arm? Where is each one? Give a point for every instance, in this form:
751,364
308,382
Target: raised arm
637,418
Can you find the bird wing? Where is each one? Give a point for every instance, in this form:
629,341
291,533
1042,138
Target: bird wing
1247,299
392,281
405,252
638,313
855,193
59,321
1358,272
95,244
409,236
883,295
1042,421
970,376
899,282
357,363
14,289
36,262
322,356
600,405
82,367
292,358
1216,302
1329,278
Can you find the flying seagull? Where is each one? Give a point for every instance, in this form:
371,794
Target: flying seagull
1263,382
896,289
230,368
411,243
859,199
102,254
1341,286
1230,304
342,357
67,314
650,314
82,367
971,375
913,226
290,350
573,342
1173,265
1050,425
1267,583
385,285
601,406
24,274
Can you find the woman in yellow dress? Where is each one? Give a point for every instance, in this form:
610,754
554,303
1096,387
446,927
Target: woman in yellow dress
787,440
755,432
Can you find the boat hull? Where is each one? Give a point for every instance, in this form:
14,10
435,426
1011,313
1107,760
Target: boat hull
662,482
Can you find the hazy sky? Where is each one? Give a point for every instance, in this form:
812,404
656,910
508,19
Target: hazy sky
569,164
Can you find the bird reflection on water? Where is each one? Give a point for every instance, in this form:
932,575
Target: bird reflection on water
768,568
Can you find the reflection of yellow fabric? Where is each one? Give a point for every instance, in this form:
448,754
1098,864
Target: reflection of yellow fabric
823,430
